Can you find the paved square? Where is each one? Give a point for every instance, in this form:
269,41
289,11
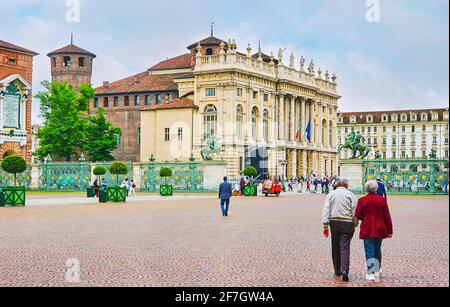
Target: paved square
265,242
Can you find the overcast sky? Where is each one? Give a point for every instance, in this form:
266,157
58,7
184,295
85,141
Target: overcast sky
401,62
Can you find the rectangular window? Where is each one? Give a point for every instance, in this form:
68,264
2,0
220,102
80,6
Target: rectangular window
240,92
137,100
384,155
127,101
147,100
106,102
80,62
255,95
384,129
394,128
12,61
404,154
424,128
210,92
266,97
158,98
96,104
139,136
413,154
167,134
413,129
116,101
67,61
394,155
180,134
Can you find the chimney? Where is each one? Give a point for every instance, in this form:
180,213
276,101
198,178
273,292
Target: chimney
106,83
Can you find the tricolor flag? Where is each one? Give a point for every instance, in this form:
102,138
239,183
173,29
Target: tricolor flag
308,132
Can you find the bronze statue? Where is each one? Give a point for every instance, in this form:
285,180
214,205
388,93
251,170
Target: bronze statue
214,147
355,143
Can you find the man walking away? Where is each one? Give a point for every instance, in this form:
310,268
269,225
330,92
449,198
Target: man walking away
339,214
381,188
225,193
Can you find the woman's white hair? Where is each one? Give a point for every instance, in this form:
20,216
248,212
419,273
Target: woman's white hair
372,186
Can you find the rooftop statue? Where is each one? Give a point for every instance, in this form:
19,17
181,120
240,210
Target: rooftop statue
355,143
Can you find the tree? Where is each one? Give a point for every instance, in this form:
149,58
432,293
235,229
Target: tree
101,138
165,172
99,171
250,171
14,165
117,169
64,111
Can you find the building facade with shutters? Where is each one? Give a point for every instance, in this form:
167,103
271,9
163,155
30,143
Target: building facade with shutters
400,134
279,117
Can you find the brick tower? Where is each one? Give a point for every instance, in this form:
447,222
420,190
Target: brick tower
72,64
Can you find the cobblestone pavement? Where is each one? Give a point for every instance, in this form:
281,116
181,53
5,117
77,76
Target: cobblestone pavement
265,242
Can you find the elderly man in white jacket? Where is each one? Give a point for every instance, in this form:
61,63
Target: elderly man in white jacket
339,215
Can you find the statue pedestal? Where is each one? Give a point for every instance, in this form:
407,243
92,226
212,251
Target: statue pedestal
213,173
353,171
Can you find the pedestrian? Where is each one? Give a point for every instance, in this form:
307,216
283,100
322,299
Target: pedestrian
242,186
381,190
308,185
339,217
373,212
104,184
132,188
225,194
96,188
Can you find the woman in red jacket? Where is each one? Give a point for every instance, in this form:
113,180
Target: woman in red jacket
376,226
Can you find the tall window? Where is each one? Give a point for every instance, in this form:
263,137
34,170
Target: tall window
137,100
116,101
266,97
330,134
67,61
239,122
96,104
147,100
255,115
81,62
158,98
240,92
180,134
167,134
127,101
210,121
106,102
324,131
210,92
139,136
266,125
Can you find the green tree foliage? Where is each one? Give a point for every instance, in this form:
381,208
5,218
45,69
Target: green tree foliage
101,138
14,165
118,168
99,171
64,111
165,172
250,171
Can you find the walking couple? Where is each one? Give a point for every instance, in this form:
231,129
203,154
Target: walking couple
342,214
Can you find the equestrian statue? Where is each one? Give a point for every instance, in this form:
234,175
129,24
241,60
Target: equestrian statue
355,143
214,147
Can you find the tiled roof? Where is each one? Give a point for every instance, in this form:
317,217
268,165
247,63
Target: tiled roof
179,62
185,76
9,46
361,117
178,103
142,82
207,42
71,49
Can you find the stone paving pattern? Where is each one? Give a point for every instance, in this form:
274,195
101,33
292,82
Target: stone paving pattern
265,242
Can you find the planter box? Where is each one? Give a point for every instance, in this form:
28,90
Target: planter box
13,196
116,194
90,192
250,191
166,190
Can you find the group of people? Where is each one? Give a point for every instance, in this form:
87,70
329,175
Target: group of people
130,185
343,213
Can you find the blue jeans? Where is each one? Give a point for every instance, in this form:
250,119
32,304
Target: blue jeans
225,205
374,256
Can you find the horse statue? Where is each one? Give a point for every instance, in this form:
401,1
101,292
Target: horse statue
214,148
355,143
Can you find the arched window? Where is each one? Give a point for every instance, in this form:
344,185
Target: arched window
324,132
255,115
210,121
330,134
239,122
266,125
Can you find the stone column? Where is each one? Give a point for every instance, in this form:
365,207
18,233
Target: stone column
303,122
35,176
311,120
282,112
293,117
321,138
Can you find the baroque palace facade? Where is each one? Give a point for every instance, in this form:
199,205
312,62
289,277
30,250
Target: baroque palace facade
266,113
16,74
401,134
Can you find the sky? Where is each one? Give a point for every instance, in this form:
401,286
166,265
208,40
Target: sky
387,54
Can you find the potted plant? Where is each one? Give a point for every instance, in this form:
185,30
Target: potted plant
14,195
117,193
250,189
166,189
98,171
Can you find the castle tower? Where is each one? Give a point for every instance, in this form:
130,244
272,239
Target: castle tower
72,64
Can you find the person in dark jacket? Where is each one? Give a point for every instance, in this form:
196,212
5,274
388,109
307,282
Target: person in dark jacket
225,194
381,188
373,212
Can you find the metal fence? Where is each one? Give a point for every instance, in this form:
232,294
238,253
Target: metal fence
23,180
425,176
